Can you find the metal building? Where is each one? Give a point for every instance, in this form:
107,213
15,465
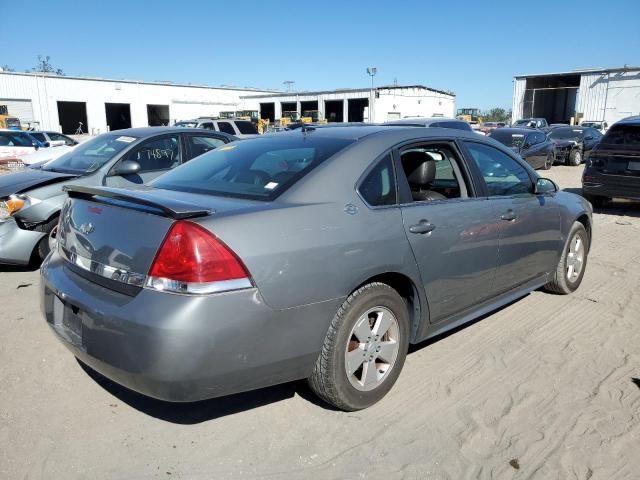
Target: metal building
570,97
63,103
358,104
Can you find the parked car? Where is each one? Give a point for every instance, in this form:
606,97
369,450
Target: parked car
599,125
531,122
51,137
316,254
488,127
14,144
236,127
613,167
30,200
439,122
572,144
532,145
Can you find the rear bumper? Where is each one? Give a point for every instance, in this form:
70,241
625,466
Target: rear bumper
16,244
612,186
182,348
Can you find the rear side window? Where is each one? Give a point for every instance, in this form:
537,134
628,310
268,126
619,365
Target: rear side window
246,128
226,127
627,135
199,144
378,188
207,125
259,169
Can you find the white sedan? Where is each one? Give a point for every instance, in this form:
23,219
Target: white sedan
18,146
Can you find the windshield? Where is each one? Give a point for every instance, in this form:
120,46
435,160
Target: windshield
91,155
522,122
259,169
566,134
186,124
507,138
13,122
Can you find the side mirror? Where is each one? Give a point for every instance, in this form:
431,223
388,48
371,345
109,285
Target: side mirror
47,144
35,145
545,186
128,167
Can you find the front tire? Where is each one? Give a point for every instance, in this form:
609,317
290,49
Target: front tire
364,350
575,158
573,262
45,244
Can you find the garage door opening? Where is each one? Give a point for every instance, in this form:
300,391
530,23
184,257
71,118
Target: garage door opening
158,115
289,110
72,117
118,115
268,111
334,110
552,97
356,109
309,110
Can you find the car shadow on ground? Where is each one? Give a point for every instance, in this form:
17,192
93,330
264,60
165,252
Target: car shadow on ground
197,412
19,268
621,208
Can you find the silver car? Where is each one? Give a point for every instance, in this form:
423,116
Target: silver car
318,254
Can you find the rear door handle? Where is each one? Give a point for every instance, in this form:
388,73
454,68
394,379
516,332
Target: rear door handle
423,227
509,215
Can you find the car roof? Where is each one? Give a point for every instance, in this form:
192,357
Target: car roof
422,121
630,120
147,131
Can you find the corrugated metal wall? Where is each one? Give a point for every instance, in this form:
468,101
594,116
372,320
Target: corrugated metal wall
23,109
519,85
592,96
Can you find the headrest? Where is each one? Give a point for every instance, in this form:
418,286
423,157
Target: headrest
420,167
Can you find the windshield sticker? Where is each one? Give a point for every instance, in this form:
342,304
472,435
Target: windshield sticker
125,139
271,185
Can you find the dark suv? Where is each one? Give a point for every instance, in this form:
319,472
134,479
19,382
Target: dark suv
613,167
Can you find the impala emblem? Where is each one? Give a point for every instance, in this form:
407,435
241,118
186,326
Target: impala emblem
86,228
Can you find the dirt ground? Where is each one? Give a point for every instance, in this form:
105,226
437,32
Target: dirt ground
543,388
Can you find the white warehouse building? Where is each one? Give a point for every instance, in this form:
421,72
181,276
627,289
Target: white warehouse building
570,97
61,103
353,105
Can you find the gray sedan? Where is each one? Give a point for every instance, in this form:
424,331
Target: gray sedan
318,254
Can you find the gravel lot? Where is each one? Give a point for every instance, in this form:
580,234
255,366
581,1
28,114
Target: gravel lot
543,388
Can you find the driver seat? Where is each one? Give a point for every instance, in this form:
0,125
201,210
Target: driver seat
420,169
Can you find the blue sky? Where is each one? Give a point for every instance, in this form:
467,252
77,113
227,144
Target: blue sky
472,48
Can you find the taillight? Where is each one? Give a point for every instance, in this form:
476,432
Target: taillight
192,260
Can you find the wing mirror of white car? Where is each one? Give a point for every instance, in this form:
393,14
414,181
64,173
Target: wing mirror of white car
545,186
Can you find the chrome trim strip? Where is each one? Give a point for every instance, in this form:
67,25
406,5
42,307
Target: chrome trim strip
152,283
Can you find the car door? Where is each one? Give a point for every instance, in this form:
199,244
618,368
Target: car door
155,156
199,143
529,224
454,238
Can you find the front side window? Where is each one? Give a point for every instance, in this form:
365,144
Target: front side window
226,127
379,186
40,137
255,169
200,144
501,173
156,154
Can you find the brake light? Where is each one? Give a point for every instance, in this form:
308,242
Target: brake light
193,260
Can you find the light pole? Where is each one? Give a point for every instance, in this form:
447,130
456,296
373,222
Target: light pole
371,71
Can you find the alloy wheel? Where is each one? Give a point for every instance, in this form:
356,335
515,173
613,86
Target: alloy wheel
575,257
372,348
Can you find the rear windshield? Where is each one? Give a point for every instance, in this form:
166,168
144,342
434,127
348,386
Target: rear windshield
259,169
246,127
90,155
455,125
626,135
507,138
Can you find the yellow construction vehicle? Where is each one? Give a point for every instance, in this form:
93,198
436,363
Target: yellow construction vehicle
469,115
7,121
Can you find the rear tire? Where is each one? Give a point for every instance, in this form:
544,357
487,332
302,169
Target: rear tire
596,201
573,262
575,158
369,337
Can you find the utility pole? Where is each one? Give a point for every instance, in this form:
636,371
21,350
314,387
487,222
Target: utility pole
371,71
289,84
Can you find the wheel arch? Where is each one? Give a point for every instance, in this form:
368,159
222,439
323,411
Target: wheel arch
417,305
586,222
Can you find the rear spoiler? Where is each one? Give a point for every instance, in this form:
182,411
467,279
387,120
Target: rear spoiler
145,196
